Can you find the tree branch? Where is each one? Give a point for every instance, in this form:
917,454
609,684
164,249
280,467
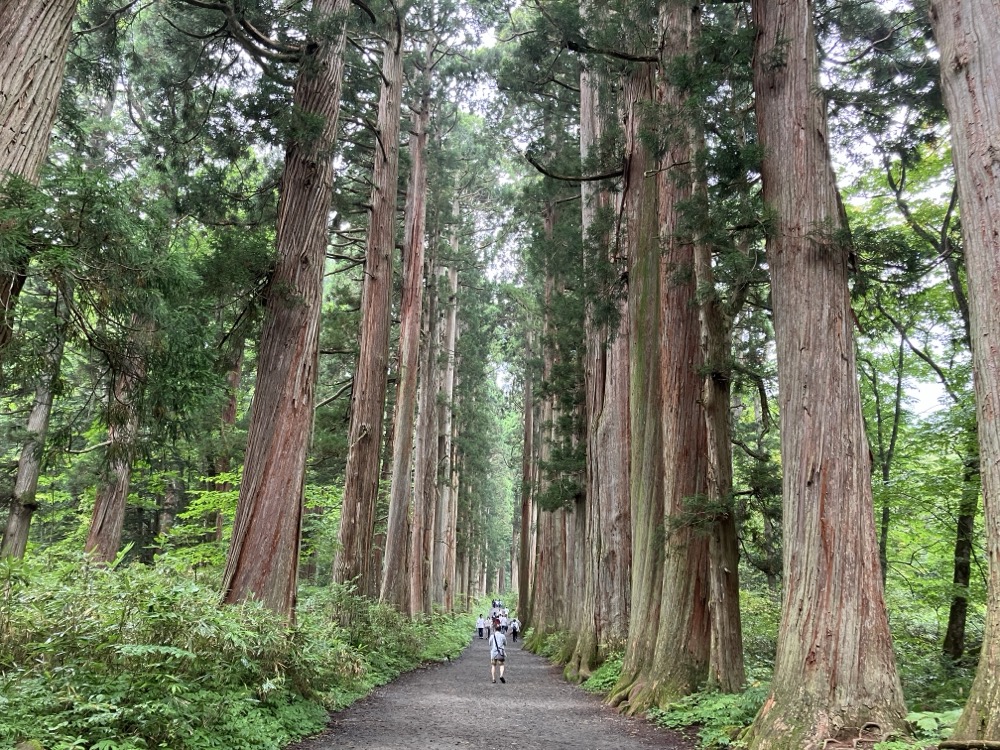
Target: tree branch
572,178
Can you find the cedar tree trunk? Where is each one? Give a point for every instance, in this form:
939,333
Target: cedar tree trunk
646,486
835,667
395,581
357,522
966,31
36,36
262,561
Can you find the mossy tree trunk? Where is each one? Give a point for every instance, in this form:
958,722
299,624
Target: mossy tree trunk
601,616
645,400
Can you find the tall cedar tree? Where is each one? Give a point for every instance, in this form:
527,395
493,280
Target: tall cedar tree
361,483
602,605
645,400
835,667
262,561
395,583
970,75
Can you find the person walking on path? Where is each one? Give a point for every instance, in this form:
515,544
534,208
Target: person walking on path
498,654
481,626
515,628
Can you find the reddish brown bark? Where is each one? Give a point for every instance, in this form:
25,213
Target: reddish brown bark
835,667
357,522
970,73
262,561
36,36
395,582
104,537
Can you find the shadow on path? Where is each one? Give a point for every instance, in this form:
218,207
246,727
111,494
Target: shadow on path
455,705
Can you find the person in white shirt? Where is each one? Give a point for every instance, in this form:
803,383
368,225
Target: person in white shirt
498,654
503,624
515,627
481,626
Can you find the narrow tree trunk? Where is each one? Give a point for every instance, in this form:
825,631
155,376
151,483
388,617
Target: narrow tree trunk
262,561
953,646
425,455
357,522
451,529
527,464
223,461
36,37
726,667
970,74
394,580
29,465
445,414
835,668
104,537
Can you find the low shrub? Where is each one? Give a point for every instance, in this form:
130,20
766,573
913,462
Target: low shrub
143,657
719,718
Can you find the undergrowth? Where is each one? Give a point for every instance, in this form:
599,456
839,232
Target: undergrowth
94,658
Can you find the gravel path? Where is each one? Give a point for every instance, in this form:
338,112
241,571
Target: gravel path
455,705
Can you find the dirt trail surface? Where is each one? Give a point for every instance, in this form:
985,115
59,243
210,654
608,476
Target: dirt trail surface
455,705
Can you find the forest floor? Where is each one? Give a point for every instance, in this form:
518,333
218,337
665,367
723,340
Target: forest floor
454,704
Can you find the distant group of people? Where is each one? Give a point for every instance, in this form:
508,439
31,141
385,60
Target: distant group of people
496,628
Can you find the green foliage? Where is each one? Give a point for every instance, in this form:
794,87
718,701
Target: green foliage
719,717
928,728
605,676
145,657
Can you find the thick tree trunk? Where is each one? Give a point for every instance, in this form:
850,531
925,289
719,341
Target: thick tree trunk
357,522
104,537
680,658
36,37
395,580
425,455
645,400
835,667
262,561
29,465
603,604
970,72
